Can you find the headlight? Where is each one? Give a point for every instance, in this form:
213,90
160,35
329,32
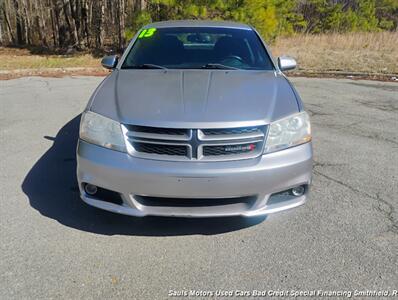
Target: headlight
287,132
102,131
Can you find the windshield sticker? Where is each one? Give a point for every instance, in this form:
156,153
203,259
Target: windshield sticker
147,33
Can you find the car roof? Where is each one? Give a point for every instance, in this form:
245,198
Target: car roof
196,23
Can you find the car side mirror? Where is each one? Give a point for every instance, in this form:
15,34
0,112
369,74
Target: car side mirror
286,63
109,62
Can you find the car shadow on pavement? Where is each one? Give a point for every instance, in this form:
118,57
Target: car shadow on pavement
52,189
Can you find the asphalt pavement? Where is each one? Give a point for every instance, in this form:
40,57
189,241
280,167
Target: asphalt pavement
54,246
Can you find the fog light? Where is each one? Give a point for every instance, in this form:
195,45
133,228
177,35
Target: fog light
298,190
90,189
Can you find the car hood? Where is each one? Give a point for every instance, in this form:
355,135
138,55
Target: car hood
194,98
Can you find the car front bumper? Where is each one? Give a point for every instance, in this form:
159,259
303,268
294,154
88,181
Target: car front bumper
134,177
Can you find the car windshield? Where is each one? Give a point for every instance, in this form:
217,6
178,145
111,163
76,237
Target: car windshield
198,48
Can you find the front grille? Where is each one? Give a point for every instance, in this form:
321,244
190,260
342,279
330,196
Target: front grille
160,149
194,144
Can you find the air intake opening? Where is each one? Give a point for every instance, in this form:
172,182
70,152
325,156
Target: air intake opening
194,202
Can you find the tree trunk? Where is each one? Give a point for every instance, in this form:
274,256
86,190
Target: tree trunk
143,4
1,32
55,24
98,24
42,24
7,23
121,24
84,23
27,25
76,18
71,25
19,40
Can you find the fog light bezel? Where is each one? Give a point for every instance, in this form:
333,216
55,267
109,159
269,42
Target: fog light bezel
302,190
103,194
87,188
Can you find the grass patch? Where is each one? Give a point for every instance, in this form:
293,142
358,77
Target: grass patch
351,52
14,58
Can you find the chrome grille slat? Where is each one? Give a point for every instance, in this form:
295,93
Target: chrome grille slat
157,130
158,133
230,133
158,136
195,144
156,141
226,137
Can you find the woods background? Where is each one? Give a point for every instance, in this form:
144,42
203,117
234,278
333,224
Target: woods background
108,24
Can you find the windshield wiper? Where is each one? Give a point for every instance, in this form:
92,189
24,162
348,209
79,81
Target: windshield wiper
144,66
218,66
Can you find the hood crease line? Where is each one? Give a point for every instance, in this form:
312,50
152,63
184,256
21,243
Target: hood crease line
182,90
210,77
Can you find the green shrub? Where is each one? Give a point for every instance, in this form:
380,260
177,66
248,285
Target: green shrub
277,17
